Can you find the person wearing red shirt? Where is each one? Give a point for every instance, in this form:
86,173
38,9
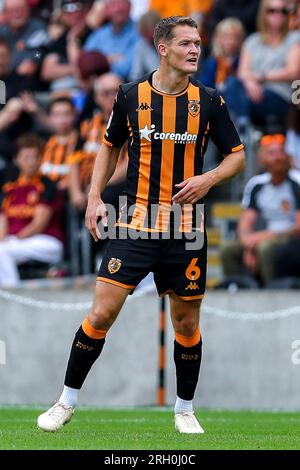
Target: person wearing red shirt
30,215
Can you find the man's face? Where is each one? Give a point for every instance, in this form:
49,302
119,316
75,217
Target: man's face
183,51
275,159
62,118
5,59
17,13
28,161
118,11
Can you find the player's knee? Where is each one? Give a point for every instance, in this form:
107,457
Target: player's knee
186,326
101,318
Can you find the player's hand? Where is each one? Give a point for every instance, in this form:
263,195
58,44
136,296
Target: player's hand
193,189
95,208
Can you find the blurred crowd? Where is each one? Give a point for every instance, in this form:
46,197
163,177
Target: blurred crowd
62,61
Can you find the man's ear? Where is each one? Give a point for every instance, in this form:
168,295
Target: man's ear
162,49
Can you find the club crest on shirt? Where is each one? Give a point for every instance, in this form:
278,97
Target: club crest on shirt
114,265
285,205
194,107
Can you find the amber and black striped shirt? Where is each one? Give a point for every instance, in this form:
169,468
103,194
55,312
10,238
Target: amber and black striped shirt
54,160
167,139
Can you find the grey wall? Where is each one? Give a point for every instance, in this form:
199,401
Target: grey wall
246,363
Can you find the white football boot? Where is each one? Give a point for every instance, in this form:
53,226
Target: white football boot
187,423
55,418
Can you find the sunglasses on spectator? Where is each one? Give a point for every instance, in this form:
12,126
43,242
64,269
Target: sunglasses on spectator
282,11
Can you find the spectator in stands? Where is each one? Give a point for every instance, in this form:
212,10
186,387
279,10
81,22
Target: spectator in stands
117,39
92,133
145,55
270,61
292,145
30,217
224,60
271,200
59,64
91,65
243,10
62,116
25,35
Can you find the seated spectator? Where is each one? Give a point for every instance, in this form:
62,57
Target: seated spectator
30,217
292,145
59,65
224,59
60,145
270,61
271,216
145,55
25,35
92,133
117,39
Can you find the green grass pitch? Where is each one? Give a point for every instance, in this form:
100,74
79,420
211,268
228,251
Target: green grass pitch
151,429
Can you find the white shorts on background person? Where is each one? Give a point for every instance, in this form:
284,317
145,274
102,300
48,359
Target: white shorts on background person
14,251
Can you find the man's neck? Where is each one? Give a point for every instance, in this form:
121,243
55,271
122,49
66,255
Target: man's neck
278,178
169,80
118,28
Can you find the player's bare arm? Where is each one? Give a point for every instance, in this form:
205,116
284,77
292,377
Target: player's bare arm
104,168
196,187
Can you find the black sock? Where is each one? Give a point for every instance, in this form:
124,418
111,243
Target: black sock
84,352
187,363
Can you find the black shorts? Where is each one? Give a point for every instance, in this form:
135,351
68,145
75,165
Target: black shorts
176,269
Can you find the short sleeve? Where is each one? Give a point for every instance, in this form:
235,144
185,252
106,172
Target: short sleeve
117,129
249,196
222,130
